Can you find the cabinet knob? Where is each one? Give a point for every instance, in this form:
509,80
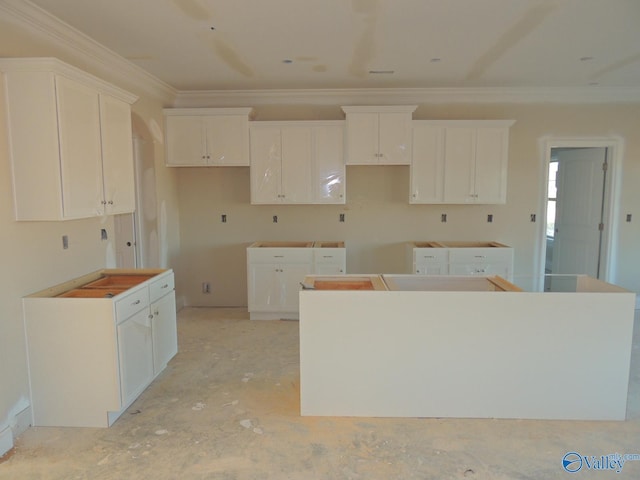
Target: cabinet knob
150,317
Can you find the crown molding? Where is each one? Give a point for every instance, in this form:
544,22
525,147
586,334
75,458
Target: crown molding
108,63
402,96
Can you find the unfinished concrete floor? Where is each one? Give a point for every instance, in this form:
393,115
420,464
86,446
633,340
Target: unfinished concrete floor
227,407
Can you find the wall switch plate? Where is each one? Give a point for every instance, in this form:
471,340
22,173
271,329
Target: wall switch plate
65,242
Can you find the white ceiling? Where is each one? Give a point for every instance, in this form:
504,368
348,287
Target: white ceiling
328,44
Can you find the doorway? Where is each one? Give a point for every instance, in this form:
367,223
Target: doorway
575,211
580,204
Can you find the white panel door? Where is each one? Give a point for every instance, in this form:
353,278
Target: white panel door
459,165
394,133
266,164
362,139
290,279
491,165
185,141
136,357
80,150
227,139
117,155
427,165
164,331
328,164
580,184
296,165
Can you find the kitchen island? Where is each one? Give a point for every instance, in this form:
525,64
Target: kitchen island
428,346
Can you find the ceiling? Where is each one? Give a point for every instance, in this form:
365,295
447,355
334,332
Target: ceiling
331,44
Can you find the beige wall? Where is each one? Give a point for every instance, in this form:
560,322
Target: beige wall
32,254
378,217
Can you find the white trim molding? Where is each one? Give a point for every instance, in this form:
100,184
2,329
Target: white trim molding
46,26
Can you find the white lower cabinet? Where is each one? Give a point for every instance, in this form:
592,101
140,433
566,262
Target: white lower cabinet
275,276
135,355
96,342
492,259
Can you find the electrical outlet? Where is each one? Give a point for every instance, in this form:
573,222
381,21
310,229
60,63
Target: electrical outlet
533,217
275,219
628,217
490,218
206,287
341,217
443,218
65,242
223,218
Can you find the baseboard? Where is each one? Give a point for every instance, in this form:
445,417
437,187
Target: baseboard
6,441
18,425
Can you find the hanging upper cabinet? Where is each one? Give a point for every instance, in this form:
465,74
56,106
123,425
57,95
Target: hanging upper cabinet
460,161
379,135
197,137
70,141
297,162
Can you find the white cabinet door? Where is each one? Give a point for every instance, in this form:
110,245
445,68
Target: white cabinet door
135,355
394,141
296,165
491,165
266,154
427,165
362,139
431,269
117,155
185,141
164,331
227,140
459,172
289,279
80,150
328,165
264,287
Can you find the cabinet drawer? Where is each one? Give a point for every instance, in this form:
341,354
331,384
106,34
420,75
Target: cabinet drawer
480,255
430,255
329,255
280,255
160,287
132,303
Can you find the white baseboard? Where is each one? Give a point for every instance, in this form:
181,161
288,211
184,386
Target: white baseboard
18,425
6,441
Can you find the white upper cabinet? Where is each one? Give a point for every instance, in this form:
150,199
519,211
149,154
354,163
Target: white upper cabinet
379,135
460,161
70,141
207,136
297,162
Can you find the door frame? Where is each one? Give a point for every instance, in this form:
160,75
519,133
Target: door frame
615,150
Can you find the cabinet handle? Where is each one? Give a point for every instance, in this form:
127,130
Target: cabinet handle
480,256
103,202
136,302
327,256
278,256
166,285
156,312
150,317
